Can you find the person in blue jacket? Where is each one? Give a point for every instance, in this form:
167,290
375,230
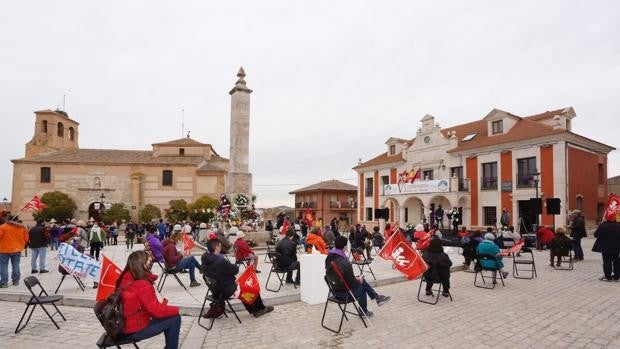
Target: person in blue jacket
488,246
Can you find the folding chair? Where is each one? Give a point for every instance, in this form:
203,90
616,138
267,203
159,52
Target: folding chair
164,274
568,259
106,340
271,247
42,298
435,289
507,242
527,260
479,269
209,296
241,262
332,282
360,260
275,268
64,275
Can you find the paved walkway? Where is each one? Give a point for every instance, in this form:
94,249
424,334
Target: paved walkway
559,309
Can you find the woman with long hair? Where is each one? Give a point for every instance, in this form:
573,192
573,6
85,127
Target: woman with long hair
145,316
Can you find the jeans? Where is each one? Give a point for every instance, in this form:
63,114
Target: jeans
38,252
170,326
129,242
188,262
54,243
360,293
577,248
611,265
4,267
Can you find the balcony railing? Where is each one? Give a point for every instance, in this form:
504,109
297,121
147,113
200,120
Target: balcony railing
305,204
463,184
342,204
368,191
488,183
525,180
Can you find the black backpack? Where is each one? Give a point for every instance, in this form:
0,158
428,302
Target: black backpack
109,311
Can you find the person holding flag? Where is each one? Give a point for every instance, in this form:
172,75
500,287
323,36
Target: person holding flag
608,240
338,265
217,267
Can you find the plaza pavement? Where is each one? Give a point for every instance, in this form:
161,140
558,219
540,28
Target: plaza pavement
559,309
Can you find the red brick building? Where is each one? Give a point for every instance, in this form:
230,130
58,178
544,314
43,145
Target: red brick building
328,199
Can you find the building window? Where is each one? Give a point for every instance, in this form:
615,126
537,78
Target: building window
490,215
61,130
368,190
489,176
46,174
601,174
44,126
166,178
406,214
427,175
181,151
456,172
497,126
392,149
71,133
369,213
525,172
579,203
385,180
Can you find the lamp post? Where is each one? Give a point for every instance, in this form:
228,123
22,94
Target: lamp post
536,178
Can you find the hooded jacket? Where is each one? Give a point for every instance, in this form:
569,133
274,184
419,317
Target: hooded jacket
219,268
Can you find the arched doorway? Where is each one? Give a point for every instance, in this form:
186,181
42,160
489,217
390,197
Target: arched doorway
413,211
394,207
94,211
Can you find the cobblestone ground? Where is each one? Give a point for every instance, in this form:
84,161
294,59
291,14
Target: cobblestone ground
559,309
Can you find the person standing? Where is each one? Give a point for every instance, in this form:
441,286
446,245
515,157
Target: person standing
130,234
608,244
161,228
577,232
54,235
38,246
96,237
13,239
439,216
504,219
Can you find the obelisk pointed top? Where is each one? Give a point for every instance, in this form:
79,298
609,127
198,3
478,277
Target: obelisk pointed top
241,73
240,85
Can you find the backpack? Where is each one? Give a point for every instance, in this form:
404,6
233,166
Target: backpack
110,313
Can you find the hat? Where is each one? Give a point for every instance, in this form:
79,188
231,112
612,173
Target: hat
80,222
177,227
419,227
203,226
74,221
435,245
240,235
489,236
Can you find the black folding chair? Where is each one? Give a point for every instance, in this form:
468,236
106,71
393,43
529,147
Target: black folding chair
106,340
566,259
64,275
164,274
435,289
275,268
494,271
42,298
212,286
527,260
342,302
360,260
271,247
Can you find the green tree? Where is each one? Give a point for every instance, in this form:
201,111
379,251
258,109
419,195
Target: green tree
203,209
117,212
177,211
59,206
149,212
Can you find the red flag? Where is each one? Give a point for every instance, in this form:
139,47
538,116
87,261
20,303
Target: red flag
285,226
391,231
107,279
613,208
404,257
417,175
514,249
249,286
309,217
34,204
188,244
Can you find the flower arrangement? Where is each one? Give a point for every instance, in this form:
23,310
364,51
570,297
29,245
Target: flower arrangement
242,200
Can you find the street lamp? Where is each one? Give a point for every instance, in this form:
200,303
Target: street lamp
536,179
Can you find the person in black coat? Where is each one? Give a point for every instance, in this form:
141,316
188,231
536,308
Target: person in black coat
439,267
217,267
608,244
38,245
287,248
577,232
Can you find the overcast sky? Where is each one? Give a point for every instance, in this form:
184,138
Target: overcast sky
332,80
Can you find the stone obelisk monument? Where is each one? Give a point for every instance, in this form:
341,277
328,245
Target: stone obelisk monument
239,177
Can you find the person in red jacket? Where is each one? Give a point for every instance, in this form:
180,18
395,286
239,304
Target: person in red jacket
244,252
145,316
175,260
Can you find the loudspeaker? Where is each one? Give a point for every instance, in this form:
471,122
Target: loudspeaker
536,206
382,213
553,206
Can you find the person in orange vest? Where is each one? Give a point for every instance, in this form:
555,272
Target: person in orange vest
315,239
13,239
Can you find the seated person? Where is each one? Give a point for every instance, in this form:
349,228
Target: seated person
544,235
511,234
244,252
362,242
488,246
288,249
469,244
328,236
175,260
463,232
153,244
377,238
439,267
217,267
226,245
315,240
559,246
359,287
145,316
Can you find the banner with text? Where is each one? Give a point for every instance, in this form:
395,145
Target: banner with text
417,187
77,263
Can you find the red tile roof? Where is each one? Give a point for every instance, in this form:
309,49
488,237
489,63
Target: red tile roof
381,159
332,185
